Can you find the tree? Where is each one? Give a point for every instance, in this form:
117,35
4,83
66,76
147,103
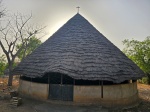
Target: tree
33,43
2,10
139,52
18,30
2,64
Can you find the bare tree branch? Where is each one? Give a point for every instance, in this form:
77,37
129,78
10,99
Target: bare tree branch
3,10
6,53
17,31
14,44
3,48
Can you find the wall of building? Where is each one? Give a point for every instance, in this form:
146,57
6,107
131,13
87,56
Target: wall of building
34,90
87,93
113,95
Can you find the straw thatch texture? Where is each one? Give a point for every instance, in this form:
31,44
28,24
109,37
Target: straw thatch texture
80,51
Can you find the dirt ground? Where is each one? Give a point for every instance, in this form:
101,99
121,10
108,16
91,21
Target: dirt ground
30,105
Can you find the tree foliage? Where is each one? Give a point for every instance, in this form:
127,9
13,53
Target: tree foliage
139,52
33,43
2,64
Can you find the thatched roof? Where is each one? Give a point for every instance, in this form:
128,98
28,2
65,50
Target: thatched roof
82,52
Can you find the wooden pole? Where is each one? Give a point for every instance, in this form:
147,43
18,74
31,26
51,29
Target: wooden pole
30,86
102,89
48,79
61,87
48,86
61,79
74,82
20,83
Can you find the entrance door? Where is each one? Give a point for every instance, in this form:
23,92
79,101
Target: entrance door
55,92
61,92
67,92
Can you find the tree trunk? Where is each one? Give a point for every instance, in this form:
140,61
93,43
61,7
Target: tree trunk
10,76
148,75
10,79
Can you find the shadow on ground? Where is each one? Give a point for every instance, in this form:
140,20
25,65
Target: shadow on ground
46,107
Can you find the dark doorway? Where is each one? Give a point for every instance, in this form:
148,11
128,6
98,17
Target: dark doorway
60,87
61,92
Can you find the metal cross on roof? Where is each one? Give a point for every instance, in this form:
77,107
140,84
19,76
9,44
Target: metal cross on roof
78,8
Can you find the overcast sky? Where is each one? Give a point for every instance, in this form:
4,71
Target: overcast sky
116,19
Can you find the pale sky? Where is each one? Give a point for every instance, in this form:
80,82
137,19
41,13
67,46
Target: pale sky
115,19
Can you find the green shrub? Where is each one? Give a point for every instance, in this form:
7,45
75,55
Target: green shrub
144,80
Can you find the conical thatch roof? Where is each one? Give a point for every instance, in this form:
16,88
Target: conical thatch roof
80,51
